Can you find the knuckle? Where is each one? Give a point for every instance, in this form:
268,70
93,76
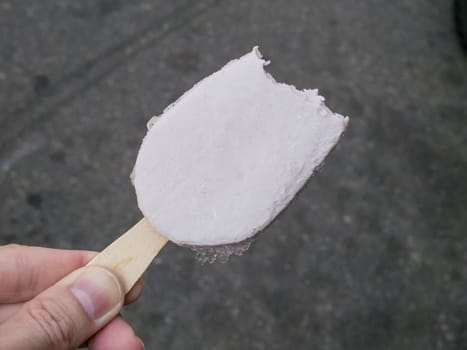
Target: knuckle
54,322
19,278
28,280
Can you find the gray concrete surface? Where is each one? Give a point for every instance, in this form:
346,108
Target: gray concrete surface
371,255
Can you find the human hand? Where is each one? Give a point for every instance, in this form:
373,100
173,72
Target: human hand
48,300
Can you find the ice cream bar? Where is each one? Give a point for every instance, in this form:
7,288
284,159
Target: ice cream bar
227,157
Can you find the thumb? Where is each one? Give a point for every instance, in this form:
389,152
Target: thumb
67,314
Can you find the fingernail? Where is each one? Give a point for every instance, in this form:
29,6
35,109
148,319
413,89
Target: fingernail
141,342
98,291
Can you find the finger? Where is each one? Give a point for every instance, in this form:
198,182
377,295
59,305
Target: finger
8,310
68,313
116,335
27,271
134,292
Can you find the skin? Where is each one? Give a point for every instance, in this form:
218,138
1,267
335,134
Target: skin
26,271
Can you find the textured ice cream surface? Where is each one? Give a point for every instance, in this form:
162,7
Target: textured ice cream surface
228,156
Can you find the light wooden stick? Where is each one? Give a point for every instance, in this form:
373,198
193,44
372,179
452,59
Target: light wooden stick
130,255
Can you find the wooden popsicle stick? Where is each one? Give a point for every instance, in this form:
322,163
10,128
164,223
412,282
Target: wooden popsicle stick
130,255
